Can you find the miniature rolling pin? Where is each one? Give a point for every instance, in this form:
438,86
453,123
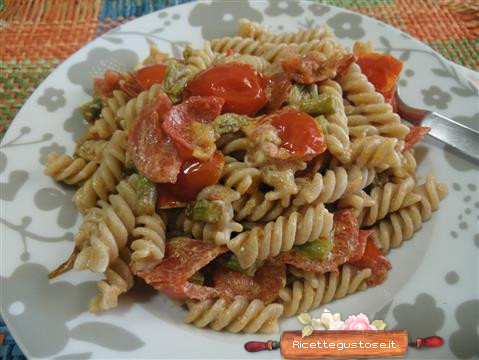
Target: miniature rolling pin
332,344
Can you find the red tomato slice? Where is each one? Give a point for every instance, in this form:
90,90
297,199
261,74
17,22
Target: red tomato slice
279,86
416,134
382,71
143,79
361,245
376,261
151,150
104,86
149,75
308,69
264,284
203,109
183,258
300,134
193,177
239,84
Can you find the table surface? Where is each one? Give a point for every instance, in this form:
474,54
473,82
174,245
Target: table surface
27,27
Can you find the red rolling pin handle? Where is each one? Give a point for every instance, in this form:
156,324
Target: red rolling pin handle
254,346
433,341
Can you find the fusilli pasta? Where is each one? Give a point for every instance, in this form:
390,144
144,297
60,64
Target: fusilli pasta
149,241
246,177
240,315
250,29
402,224
118,218
269,240
318,289
108,174
71,171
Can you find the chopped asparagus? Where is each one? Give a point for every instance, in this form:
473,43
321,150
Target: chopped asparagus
205,210
317,249
187,52
177,76
229,123
91,110
129,164
197,278
323,104
323,123
146,196
230,261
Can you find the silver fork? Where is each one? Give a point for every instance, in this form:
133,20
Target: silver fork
462,138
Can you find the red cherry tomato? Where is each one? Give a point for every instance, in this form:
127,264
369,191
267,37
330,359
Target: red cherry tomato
300,135
193,177
239,84
150,75
382,71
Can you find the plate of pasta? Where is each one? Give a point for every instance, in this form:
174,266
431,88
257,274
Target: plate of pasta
207,172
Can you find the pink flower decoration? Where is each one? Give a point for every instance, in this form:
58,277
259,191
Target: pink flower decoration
360,322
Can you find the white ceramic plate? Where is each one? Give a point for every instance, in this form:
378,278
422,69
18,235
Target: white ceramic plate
432,289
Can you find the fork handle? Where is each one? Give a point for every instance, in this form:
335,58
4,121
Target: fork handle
452,133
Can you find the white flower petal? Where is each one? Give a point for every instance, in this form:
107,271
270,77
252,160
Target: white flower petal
327,318
336,325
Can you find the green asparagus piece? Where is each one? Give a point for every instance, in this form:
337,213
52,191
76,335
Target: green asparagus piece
91,110
146,196
187,52
323,123
317,249
205,210
197,278
230,261
229,123
323,104
177,76
129,164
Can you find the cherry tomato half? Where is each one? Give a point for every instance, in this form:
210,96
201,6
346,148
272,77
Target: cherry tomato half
382,71
150,75
239,84
193,177
299,133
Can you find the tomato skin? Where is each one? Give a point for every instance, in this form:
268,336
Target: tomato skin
194,175
239,84
361,245
203,109
279,86
299,133
150,149
374,260
382,71
149,75
309,69
416,134
104,86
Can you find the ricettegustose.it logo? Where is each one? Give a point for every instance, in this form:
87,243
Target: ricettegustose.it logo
330,337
